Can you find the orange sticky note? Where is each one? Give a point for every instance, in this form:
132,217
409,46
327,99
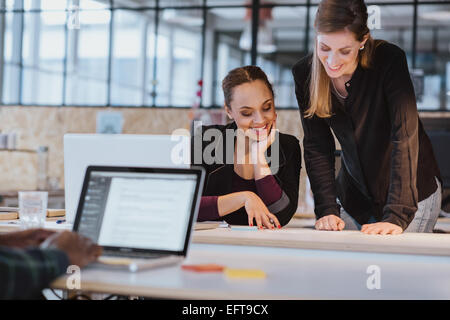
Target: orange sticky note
203,267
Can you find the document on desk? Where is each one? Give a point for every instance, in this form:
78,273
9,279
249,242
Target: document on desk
142,213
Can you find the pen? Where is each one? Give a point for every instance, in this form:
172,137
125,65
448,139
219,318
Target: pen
60,221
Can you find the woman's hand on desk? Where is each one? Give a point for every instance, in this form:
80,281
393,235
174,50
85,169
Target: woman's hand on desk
381,228
256,209
254,206
330,223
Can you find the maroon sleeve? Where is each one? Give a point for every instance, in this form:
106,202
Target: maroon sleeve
268,189
208,209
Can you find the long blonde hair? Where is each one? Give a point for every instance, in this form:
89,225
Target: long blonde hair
332,16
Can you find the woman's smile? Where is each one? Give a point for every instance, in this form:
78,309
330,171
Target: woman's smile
334,68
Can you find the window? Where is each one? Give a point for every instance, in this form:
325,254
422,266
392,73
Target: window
43,51
166,54
178,57
88,57
288,40
433,57
128,57
12,48
224,26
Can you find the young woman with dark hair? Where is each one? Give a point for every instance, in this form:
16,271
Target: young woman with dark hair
252,170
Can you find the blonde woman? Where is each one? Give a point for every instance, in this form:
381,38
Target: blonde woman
360,89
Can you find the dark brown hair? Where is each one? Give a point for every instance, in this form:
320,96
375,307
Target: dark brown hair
240,76
334,16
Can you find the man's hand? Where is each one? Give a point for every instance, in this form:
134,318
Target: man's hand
381,228
23,239
80,250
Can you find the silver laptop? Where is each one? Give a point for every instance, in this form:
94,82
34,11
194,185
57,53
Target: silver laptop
142,217
133,150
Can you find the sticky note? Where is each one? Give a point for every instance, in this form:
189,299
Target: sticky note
244,228
244,273
204,267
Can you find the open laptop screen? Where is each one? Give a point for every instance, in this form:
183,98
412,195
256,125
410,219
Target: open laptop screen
139,210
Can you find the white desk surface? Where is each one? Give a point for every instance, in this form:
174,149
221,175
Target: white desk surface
291,274
294,270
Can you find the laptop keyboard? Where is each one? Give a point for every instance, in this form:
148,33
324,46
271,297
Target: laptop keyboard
135,255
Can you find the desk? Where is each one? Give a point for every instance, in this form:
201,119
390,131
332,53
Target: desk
303,238
14,225
11,198
294,271
291,274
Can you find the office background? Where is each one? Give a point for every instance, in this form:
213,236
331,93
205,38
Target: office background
153,61
154,53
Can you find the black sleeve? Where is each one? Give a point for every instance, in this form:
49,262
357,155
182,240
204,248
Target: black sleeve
24,273
197,146
402,200
289,179
319,149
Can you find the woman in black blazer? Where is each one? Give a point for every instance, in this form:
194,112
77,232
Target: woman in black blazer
361,89
252,170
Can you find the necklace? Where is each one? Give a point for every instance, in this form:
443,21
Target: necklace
342,97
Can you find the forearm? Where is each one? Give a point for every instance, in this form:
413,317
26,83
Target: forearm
320,170
208,209
23,273
319,149
231,202
268,190
402,199
261,168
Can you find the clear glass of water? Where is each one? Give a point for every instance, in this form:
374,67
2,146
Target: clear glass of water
32,209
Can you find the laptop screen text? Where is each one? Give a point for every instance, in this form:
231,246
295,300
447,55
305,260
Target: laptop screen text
138,210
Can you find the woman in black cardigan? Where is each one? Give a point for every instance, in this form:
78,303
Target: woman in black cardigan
361,89
252,170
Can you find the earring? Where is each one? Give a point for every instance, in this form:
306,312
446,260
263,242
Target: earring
362,48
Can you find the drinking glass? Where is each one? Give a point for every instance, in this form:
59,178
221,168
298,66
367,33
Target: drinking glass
32,209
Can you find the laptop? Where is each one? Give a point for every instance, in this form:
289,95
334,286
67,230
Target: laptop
134,150
142,217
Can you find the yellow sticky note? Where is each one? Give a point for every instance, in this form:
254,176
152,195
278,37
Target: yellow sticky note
245,273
